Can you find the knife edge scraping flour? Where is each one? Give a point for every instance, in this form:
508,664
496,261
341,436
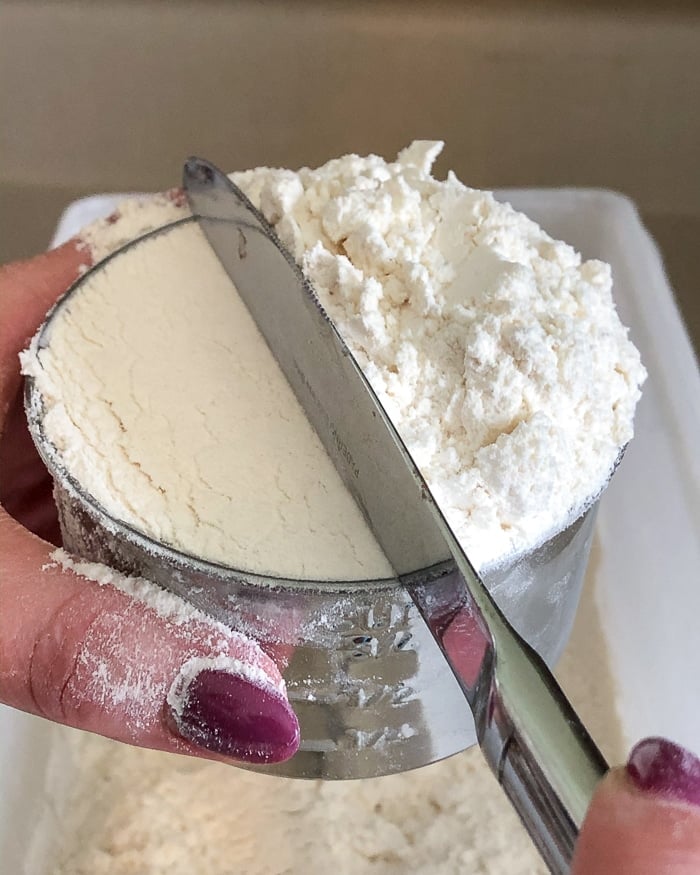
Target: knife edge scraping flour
496,350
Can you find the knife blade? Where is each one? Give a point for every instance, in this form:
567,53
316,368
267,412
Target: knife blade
533,740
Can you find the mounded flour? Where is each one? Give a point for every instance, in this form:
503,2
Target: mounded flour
502,361
497,352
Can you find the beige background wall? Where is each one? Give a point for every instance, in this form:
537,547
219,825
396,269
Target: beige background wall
112,96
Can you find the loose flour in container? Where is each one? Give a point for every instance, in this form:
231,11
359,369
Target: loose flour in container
496,351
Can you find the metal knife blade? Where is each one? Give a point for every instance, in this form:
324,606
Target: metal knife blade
337,399
530,735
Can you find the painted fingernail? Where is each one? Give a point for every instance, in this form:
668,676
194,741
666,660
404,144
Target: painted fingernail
665,769
225,711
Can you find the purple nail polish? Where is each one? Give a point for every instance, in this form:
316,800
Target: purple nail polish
226,713
662,767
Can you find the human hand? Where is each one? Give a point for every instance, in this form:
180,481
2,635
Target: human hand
95,656
644,818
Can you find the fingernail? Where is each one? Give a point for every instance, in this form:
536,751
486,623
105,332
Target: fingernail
224,712
665,769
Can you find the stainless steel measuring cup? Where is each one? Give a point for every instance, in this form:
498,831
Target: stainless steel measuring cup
371,689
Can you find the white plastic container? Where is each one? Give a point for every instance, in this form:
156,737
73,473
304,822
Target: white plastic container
647,570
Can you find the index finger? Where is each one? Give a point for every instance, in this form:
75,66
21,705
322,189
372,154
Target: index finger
630,831
96,657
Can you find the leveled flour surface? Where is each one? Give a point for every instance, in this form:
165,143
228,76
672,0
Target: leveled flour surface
167,406
496,351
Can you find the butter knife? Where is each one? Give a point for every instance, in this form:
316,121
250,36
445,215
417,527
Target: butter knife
534,742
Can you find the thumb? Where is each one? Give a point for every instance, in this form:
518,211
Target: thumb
645,818
127,660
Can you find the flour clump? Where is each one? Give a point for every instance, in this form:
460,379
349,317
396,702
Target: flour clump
497,352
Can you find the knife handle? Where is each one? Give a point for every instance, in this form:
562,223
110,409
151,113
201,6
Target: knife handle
534,742
541,753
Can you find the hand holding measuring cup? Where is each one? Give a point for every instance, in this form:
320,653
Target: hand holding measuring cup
113,659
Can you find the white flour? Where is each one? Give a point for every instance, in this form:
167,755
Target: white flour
497,352
179,691
151,815
502,361
168,407
166,604
136,687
